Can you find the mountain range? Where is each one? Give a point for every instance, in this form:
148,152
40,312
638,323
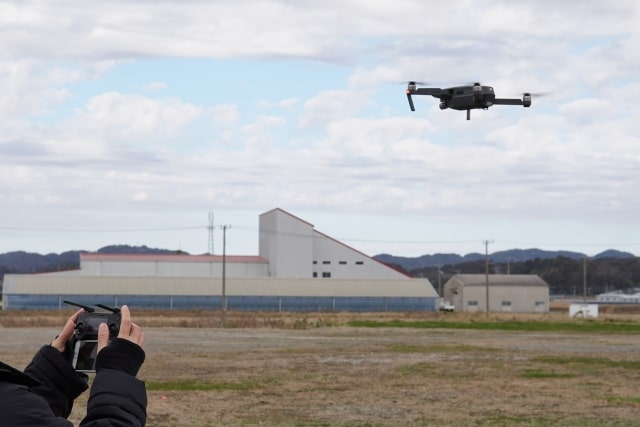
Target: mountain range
20,262
512,255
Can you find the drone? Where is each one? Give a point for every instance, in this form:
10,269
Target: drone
468,97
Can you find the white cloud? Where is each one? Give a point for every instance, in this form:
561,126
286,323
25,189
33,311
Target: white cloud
280,28
225,114
156,86
332,105
584,110
116,116
259,132
284,103
28,89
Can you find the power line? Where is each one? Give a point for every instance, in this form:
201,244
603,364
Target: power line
99,230
342,239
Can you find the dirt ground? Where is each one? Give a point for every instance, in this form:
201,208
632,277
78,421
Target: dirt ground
345,376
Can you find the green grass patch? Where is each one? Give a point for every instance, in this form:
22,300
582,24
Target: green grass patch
591,362
421,368
516,420
520,326
437,348
534,373
408,348
192,385
623,401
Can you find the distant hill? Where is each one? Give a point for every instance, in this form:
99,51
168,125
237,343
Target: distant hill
21,262
512,255
612,253
26,262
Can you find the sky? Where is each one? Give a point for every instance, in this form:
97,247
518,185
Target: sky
130,122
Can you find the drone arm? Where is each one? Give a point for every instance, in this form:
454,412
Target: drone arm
505,101
428,91
410,101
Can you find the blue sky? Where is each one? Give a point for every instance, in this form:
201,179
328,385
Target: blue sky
128,122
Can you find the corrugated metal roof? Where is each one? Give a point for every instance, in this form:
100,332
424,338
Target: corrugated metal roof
171,258
500,279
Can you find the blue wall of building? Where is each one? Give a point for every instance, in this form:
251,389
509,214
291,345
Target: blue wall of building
239,303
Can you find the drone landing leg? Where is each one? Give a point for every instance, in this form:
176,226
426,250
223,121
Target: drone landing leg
468,114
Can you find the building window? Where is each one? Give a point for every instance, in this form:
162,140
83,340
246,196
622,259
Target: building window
342,262
359,262
506,306
315,262
540,304
326,262
326,274
315,274
472,303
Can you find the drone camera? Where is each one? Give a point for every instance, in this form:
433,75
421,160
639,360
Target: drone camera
443,105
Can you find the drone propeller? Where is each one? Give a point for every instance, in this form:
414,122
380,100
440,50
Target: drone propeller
536,94
411,82
467,83
84,307
106,307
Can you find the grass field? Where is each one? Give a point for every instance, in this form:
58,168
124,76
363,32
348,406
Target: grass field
390,369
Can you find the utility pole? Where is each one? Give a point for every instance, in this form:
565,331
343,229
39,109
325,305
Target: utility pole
584,280
486,273
223,301
210,228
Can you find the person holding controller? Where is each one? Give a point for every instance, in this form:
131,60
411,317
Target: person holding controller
44,393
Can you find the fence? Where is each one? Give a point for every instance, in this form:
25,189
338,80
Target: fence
240,303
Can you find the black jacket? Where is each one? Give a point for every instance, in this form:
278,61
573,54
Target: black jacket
43,395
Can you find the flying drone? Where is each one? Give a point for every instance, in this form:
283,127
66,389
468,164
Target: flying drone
468,97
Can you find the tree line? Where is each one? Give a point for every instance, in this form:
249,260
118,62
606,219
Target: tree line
565,276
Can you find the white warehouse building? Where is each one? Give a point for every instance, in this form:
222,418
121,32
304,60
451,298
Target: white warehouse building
298,269
512,293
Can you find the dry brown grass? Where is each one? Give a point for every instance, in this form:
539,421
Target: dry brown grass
207,319
289,320
309,369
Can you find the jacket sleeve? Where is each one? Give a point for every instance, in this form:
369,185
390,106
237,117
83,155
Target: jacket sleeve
117,397
60,383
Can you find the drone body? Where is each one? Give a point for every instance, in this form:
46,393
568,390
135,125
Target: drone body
467,98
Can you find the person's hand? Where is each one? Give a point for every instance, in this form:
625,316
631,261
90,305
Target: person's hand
124,353
61,340
128,330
